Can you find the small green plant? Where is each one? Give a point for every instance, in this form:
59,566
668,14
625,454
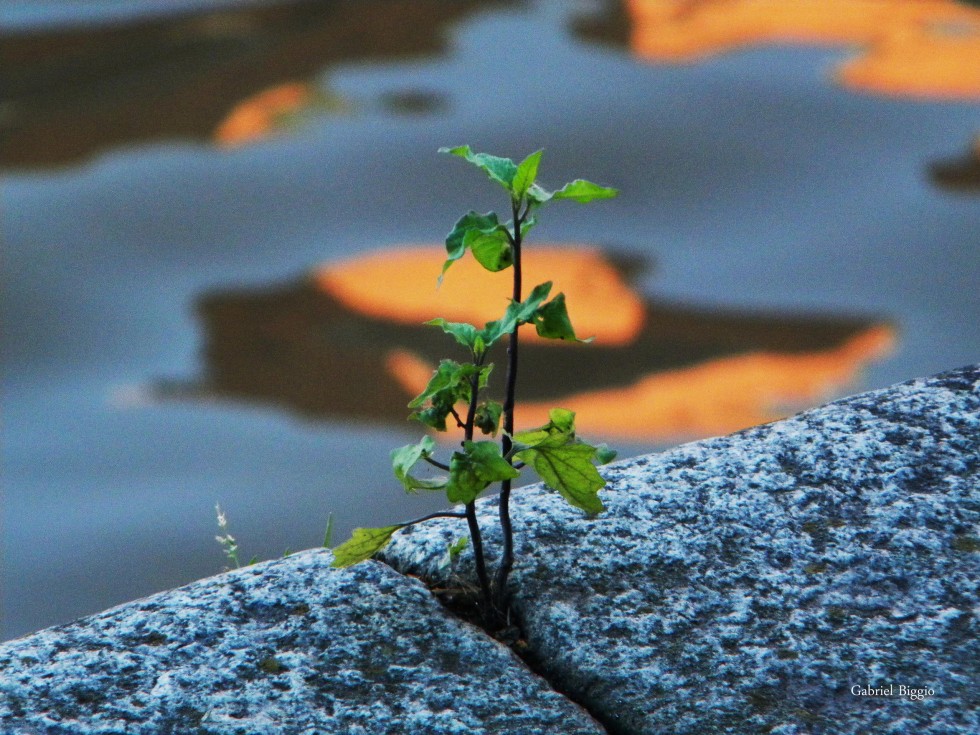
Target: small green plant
230,544
455,393
228,541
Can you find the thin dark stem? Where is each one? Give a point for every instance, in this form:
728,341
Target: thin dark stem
506,443
459,420
481,565
437,463
475,536
438,514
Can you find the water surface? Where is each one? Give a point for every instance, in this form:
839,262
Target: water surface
750,184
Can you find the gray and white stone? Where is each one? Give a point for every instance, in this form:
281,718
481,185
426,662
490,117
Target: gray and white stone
289,646
747,583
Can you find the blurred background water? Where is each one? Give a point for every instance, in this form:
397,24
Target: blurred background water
171,173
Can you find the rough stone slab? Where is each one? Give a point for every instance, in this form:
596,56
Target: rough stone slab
289,646
745,584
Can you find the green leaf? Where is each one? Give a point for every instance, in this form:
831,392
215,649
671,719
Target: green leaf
537,194
491,249
559,430
450,384
404,458
363,544
562,419
487,417
552,321
474,469
456,548
451,377
434,417
604,455
465,334
517,313
456,239
501,170
529,222
526,173
568,469
584,191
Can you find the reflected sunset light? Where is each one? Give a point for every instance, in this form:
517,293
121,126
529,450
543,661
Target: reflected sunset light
657,372
401,286
264,114
715,397
922,49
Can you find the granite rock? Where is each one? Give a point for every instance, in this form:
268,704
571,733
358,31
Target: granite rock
787,579
289,646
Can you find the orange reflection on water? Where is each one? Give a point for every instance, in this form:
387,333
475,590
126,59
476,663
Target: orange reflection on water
923,48
263,114
400,286
715,397
928,61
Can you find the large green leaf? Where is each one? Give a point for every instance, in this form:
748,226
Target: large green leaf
526,173
568,469
450,384
583,191
465,334
564,463
487,417
559,430
501,170
474,469
363,544
552,321
449,376
517,313
456,239
404,458
491,248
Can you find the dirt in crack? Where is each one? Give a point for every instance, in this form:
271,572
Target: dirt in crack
462,601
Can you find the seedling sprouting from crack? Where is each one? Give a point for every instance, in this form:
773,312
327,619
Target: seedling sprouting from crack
455,392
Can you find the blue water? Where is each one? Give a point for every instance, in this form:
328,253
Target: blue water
29,16
749,180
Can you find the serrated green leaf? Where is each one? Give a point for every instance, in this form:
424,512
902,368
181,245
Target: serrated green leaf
559,430
491,249
363,544
568,469
552,322
450,384
562,419
449,376
474,469
404,458
583,191
487,417
527,172
501,170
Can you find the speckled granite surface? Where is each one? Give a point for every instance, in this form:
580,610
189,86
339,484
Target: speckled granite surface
289,646
788,579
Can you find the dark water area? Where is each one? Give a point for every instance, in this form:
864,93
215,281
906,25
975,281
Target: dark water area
160,241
